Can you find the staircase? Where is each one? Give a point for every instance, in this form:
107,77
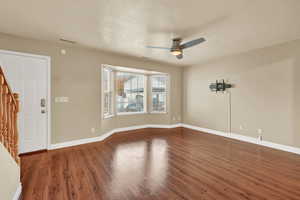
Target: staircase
9,108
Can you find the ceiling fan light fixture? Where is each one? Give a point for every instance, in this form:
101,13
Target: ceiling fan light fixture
176,52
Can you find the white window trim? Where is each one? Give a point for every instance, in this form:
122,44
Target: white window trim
131,113
112,82
157,112
166,96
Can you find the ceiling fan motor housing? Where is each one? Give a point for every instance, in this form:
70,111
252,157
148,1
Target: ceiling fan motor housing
176,46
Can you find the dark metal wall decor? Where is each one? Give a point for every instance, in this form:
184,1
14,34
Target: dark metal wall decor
219,86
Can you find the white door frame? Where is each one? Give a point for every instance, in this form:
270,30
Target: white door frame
48,60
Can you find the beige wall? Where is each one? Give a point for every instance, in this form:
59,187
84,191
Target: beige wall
77,76
9,175
266,94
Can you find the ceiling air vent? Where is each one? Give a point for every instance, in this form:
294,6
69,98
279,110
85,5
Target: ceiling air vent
67,41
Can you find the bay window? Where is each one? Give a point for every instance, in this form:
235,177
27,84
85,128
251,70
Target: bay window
126,91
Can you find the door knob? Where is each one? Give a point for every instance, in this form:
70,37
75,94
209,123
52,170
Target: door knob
43,105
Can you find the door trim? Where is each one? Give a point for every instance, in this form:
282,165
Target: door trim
48,60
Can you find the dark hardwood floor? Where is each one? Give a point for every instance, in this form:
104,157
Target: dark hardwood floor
162,164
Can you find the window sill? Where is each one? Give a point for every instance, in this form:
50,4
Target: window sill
158,112
108,116
132,113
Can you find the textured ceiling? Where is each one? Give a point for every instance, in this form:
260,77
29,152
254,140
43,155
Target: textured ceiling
127,26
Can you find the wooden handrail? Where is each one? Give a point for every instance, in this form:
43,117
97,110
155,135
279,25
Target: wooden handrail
9,108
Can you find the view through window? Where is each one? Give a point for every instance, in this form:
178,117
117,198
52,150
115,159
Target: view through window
159,93
130,90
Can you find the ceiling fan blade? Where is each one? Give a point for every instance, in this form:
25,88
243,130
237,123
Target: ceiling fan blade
154,47
180,56
192,43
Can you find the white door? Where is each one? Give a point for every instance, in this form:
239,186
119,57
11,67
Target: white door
28,76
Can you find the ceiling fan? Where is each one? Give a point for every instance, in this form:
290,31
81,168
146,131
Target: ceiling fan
177,48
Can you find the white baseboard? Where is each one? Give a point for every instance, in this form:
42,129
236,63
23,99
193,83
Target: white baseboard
74,143
245,139
18,192
206,130
280,147
106,135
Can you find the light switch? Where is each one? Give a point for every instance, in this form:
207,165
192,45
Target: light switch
61,99
64,99
57,99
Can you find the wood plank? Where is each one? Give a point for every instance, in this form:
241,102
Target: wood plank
164,164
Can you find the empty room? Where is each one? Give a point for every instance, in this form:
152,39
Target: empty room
150,100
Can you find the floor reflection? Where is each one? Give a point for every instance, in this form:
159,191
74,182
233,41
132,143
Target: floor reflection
140,167
158,165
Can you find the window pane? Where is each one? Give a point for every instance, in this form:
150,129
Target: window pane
107,92
106,103
130,92
105,81
159,89
158,102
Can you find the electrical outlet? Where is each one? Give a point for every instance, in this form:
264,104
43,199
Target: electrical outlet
174,118
241,127
259,131
93,130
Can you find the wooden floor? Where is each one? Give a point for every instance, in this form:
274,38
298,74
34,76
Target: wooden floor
162,164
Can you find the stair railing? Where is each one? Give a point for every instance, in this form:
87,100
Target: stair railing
9,108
